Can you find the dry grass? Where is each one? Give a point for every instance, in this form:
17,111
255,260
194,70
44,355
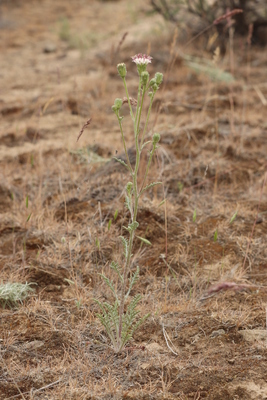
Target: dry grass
53,346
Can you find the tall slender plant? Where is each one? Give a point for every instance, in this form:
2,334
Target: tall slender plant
119,321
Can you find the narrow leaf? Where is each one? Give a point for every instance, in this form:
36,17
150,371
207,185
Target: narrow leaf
215,235
195,215
233,217
133,280
180,186
69,281
110,285
117,269
128,203
151,185
145,144
125,246
29,216
144,240
162,202
122,163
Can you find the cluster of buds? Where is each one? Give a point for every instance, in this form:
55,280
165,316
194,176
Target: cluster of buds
141,61
155,139
156,82
117,106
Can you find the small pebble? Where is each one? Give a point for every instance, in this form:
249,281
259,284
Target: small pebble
50,48
220,332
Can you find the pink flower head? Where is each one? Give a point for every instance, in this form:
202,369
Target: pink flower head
141,59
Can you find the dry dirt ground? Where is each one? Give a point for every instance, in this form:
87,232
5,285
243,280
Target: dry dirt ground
57,69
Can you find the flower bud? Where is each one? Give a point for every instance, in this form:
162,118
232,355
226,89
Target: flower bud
117,105
144,78
129,187
158,78
156,138
155,87
122,70
152,82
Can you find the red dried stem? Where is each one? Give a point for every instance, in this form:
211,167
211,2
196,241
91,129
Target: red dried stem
88,122
227,15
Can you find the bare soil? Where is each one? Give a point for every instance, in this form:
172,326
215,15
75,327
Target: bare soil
205,338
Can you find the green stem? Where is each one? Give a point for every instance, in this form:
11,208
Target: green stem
128,98
131,240
147,118
136,195
147,168
124,145
137,109
123,288
140,111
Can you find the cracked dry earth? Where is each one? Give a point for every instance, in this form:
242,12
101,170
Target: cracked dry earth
57,69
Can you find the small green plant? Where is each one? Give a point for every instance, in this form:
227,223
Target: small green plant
97,243
233,218
82,41
64,32
180,186
13,293
195,215
120,319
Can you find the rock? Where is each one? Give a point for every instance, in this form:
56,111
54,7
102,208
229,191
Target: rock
255,335
220,332
50,48
35,344
154,348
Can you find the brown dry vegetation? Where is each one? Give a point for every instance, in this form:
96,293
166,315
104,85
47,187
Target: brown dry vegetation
54,75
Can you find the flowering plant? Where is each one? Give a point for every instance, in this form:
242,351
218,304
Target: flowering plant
119,323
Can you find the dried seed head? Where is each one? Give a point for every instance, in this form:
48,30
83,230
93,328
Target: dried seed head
227,15
132,101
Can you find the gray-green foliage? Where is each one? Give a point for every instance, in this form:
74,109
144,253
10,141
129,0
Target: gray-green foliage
13,293
121,318
110,317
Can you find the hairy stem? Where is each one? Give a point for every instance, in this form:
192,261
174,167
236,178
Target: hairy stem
147,118
124,146
128,98
138,112
139,116
147,168
131,238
